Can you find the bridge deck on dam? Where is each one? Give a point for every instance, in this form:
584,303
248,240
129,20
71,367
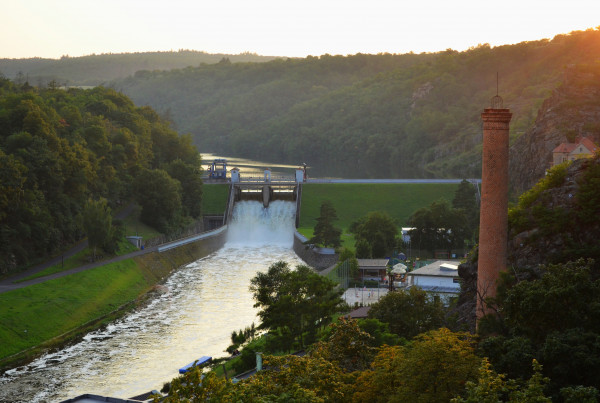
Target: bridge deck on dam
325,181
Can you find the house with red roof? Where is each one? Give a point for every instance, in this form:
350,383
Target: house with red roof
583,147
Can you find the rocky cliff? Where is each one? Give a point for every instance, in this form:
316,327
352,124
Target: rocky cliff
573,109
559,219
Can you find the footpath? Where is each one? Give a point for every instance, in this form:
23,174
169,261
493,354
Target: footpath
15,282
12,283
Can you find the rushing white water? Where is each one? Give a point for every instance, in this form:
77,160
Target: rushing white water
202,304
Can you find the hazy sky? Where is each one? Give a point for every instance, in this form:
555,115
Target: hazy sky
52,28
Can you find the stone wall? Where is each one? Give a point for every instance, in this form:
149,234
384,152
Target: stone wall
318,258
162,264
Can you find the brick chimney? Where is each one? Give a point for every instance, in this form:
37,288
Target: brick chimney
493,225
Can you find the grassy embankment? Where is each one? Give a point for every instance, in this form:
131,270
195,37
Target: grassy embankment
214,198
56,309
213,202
49,314
353,201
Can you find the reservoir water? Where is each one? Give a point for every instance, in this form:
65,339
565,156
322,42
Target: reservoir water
201,304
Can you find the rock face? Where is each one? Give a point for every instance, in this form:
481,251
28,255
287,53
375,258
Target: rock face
569,236
572,110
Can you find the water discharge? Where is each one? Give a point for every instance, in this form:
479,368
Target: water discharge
201,304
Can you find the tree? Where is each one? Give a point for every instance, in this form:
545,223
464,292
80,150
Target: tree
408,312
325,233
567,296
491,387
346,345
299,300
380,332
465,200
160,198
198,387
377,230
433,368
363,249
438,226
553,316
97,223
294,379
190,178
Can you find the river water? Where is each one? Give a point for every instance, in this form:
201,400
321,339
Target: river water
201,304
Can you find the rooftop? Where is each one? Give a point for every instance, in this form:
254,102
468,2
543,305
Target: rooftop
439,268
372,263
569,147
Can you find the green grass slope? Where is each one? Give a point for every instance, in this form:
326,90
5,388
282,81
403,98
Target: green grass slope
33,315
353,201
214,198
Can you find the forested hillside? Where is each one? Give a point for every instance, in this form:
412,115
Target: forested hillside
363,115
61,150
98,69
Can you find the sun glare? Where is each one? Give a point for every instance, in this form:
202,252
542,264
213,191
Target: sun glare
268,27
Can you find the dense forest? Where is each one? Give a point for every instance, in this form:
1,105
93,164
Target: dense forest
61,150
95,69
385,115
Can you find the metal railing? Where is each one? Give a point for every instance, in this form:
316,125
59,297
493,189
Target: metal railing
194,238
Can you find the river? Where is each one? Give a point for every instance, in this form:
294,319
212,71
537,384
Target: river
201,304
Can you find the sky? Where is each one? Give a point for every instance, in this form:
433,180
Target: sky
54,28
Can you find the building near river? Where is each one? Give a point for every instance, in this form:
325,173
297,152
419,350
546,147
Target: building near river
439,279
372,269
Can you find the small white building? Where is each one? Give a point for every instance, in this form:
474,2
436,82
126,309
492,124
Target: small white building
235,175
439,278
405,234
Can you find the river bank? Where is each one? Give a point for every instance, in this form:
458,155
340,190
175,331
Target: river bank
64,304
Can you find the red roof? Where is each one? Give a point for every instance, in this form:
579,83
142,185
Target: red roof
569,147
565,148
589,144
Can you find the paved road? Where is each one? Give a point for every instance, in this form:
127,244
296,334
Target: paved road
316,180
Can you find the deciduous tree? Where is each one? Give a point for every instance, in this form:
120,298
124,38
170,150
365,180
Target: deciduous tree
438,227
299,300
408,312
160,198
433,368
97,223
377,230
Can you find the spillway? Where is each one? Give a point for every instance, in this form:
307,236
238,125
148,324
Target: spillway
201,304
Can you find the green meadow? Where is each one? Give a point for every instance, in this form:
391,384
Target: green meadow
214,198
35,314
353,201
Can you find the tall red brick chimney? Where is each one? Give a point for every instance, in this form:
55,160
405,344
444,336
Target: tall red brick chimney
493,224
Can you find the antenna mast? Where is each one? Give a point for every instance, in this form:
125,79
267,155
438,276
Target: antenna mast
497,102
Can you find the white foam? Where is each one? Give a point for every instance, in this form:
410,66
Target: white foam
254,225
